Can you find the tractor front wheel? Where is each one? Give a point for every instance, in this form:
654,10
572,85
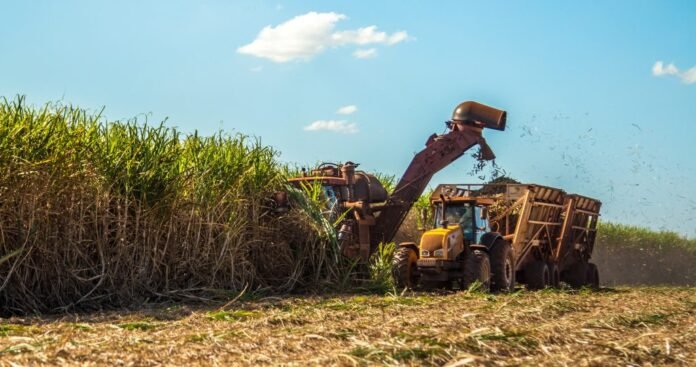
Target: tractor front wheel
477,268
404,268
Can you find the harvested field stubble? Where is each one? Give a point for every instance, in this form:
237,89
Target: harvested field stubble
640,326
96,214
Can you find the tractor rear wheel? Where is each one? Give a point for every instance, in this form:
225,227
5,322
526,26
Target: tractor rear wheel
576,274
502,267
404,268
537,275
592,276
477,268
555,275
433,285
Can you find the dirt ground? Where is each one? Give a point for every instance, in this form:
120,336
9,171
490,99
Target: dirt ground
620,326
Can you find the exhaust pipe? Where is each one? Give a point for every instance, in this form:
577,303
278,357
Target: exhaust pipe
471,112
348,173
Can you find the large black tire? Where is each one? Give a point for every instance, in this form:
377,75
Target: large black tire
502,267
404,268
592,276
431,285
477,267
555,275
576,274
537,275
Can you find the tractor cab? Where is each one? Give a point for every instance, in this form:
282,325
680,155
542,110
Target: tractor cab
470,215
459,222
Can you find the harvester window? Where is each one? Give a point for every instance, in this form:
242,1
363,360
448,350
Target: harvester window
329,195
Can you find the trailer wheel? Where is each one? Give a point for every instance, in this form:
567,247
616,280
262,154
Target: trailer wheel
576,275
537,275
477,267
502,267
555,275
592,276
434,285
404,270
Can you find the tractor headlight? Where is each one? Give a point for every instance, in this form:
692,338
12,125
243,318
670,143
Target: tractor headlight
439,253
425,253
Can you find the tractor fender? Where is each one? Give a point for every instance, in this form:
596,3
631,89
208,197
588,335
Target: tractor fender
479,247
490,238
411,245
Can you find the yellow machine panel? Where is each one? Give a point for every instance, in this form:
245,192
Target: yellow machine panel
442,243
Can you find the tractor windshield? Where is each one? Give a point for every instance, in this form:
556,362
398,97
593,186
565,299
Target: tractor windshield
458,213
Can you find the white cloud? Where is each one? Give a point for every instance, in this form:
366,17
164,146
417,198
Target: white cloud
368,35
687,77
347,110
310,34
659,69
365,53
342,126
299,38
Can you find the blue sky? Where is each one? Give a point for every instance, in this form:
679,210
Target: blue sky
590,109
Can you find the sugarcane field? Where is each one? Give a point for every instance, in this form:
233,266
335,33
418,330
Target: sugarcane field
266,183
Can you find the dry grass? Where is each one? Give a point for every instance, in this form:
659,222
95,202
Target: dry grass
623,326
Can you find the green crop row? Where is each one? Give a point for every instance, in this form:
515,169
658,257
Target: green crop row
621,235
96,213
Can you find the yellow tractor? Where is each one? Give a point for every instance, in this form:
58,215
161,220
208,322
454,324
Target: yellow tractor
453,251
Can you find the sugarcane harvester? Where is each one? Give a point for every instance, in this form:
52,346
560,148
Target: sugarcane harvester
368,214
